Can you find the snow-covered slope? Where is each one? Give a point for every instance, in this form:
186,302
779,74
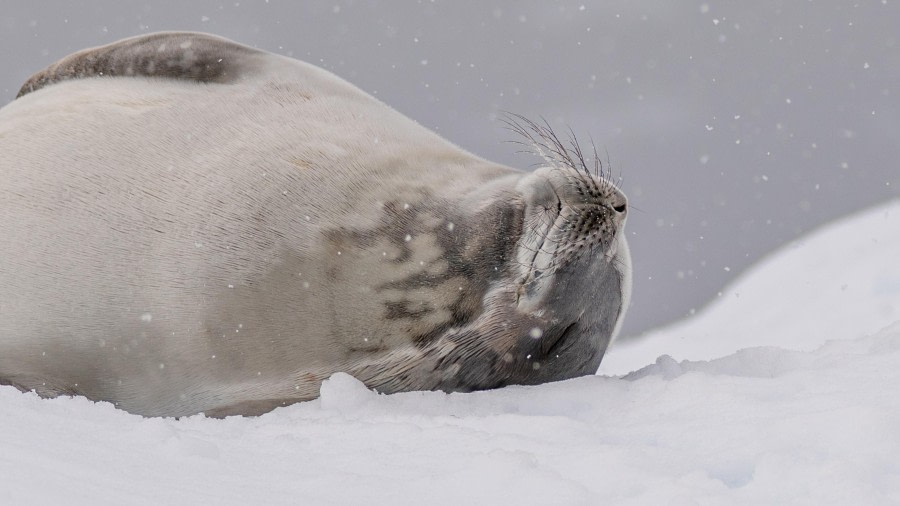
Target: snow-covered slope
840,282
807,425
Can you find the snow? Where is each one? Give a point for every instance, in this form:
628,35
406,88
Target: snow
789,396
841,282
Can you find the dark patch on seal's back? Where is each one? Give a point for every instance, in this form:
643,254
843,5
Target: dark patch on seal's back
470,254
397,310
476,249
170,55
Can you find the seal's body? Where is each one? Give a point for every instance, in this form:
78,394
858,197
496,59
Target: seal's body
190,225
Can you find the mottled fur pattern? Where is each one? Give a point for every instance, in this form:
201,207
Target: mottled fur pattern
191,225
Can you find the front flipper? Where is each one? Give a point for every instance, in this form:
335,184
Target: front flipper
169,55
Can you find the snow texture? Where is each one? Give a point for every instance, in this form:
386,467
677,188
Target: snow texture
789,397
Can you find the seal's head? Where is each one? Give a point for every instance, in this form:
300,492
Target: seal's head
567,283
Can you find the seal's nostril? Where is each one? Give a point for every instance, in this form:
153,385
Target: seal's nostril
620,208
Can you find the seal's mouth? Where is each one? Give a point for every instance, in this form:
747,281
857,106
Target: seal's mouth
539,250
554,345
550,222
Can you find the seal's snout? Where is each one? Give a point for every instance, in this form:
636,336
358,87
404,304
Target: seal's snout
577,189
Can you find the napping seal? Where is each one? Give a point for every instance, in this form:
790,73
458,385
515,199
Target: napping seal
191,225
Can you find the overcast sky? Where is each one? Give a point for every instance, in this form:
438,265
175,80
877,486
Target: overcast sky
735,126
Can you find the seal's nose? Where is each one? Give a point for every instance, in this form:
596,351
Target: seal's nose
618,202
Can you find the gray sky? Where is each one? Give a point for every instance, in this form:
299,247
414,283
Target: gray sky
736,126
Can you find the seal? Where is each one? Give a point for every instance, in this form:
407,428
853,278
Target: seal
191,225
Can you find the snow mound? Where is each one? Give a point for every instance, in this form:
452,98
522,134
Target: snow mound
801,422
840,282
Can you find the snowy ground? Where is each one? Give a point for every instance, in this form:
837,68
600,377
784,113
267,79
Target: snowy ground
800,423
